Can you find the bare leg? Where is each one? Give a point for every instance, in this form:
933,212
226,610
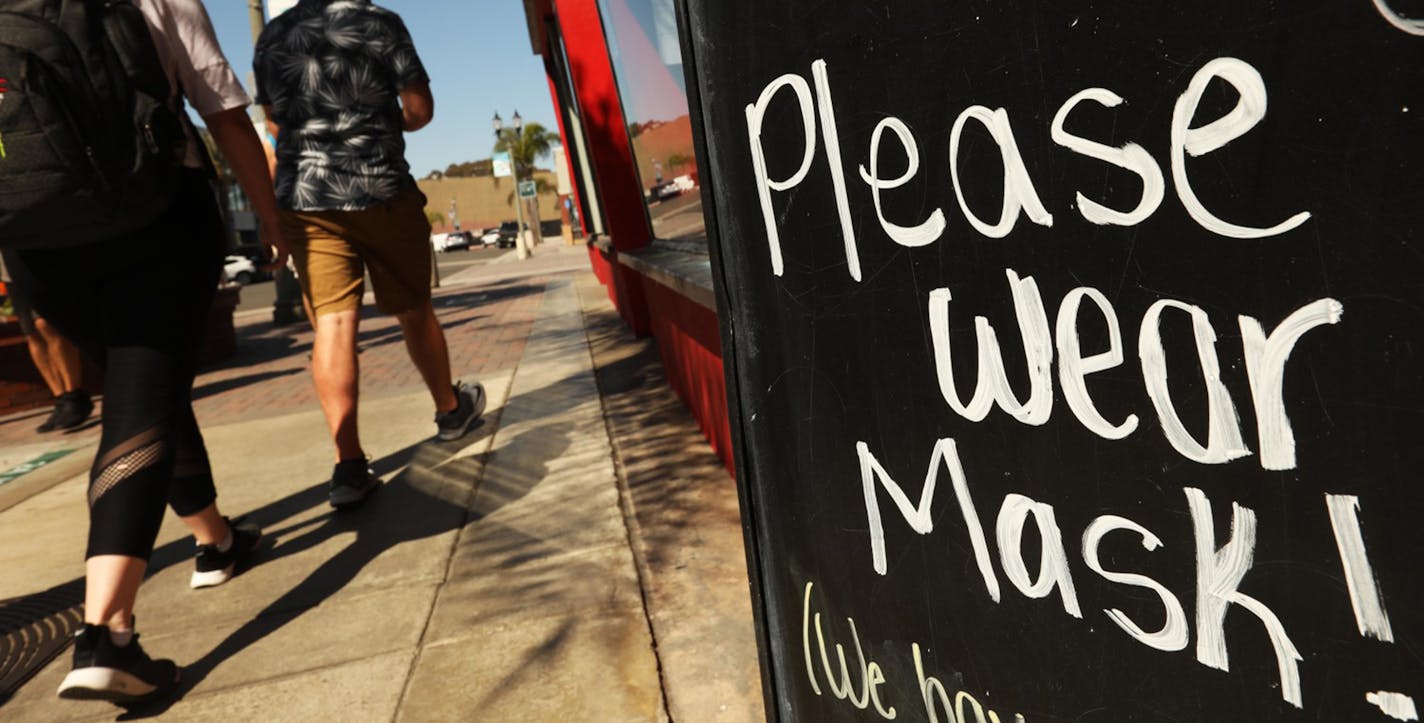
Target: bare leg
110,587
338,379
40,355
207,526
63,357
425,342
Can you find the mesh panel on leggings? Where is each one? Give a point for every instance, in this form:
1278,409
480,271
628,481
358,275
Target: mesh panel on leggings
125,467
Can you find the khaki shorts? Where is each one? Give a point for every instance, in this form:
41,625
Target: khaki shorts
332,250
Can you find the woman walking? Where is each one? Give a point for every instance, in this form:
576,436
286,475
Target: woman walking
136,304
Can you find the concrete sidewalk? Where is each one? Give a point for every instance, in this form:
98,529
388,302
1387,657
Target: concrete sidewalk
578,556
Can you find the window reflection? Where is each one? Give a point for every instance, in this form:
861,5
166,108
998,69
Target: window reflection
647,62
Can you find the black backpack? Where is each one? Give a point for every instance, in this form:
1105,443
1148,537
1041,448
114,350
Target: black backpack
89,146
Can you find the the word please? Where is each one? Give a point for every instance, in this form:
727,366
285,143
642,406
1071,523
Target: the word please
1019,192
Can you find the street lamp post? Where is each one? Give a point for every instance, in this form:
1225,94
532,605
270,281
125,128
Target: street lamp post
255,18
521,245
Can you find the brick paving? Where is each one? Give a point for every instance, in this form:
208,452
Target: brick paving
486,327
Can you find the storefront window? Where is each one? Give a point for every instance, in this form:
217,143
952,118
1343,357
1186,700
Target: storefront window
587,207
647,61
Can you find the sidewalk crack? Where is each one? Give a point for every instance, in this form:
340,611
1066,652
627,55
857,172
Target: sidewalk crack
630,519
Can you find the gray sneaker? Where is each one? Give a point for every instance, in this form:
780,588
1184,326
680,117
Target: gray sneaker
456,422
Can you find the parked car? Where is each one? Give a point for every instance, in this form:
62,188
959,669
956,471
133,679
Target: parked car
664,191
256,253
458,241
240,269
507,233
490,236
684,183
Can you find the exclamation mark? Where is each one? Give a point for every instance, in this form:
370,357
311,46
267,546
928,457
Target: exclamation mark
1365,595
1364,589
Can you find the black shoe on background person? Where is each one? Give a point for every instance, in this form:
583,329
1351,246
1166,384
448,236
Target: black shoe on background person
71,409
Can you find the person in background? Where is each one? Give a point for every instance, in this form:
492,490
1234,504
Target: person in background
136,305
340,82
56,359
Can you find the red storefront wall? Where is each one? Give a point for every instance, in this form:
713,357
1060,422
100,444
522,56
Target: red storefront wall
686,332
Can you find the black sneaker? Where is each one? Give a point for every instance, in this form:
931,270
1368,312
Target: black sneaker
48,424
352,482
456,422
212,566
104,671
71,409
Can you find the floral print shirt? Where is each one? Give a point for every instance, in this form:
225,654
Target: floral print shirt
330,72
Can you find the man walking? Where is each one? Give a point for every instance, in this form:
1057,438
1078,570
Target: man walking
341,81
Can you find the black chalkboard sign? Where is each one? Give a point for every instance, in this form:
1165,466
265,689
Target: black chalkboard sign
1076,352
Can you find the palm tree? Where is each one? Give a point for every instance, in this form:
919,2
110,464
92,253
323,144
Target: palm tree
525,147
533,142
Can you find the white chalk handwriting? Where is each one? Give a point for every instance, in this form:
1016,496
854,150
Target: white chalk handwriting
1019,192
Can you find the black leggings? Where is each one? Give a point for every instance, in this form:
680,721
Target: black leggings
137,306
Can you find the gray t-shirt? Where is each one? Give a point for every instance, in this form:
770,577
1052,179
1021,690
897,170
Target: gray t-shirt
331,72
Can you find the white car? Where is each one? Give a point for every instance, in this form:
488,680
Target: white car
240,269
490,237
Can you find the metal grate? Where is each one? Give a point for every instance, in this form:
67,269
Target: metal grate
35,629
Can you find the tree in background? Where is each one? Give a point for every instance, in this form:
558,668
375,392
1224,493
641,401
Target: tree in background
436,218
524,148
678,161
469,169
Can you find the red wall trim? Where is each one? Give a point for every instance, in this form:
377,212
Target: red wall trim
691,349
610,152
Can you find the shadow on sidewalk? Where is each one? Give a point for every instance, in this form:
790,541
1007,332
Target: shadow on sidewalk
260,343
434,494
431,496
226,385
264,343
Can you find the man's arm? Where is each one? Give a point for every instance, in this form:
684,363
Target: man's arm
417,107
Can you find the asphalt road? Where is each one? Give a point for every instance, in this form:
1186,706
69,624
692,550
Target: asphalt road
260,295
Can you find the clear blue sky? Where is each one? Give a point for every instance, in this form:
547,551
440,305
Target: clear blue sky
479,59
